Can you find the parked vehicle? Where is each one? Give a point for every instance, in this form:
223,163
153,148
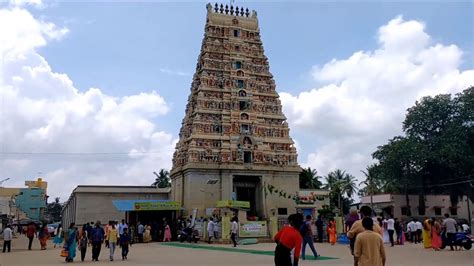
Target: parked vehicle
461,239
188,234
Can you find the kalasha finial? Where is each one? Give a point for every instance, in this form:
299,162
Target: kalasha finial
221,9
236,10
226,9
216,8
247,13
242,11
231,9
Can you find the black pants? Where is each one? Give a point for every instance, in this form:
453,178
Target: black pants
414,237
96,245
124,250
320,236
418,235
30,241
140,238
390,236
282,256
7,243
450,239
83,253
232,236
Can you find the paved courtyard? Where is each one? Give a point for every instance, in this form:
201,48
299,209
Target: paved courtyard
203,254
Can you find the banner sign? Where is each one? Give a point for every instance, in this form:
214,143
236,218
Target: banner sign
233,204
253,229
157,206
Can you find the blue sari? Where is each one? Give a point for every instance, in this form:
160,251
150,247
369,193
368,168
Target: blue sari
71,243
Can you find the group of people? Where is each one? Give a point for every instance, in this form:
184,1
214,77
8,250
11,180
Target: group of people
95,235
366,243
31,231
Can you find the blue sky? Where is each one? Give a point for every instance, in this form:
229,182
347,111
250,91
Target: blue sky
121,47
340,104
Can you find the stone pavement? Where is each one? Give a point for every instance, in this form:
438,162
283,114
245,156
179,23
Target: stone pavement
260,254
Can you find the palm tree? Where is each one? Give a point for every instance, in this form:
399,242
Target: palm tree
340,183
162,179
370,182
309,179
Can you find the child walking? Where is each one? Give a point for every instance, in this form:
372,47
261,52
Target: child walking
124,243
83,244
167,237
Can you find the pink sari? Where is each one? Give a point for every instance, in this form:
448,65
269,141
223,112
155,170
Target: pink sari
435,239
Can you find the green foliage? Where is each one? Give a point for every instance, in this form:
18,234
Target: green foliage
162,179
342,187
437,149
309,179
53,211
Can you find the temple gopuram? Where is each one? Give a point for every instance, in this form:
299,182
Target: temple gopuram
234,147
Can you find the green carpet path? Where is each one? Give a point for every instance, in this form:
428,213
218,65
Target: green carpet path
237,250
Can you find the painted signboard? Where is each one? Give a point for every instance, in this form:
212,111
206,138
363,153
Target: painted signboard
253,229
157,206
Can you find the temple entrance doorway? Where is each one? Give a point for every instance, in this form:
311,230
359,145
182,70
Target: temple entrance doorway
247,188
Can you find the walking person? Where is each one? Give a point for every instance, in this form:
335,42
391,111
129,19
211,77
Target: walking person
319,227
435,235
125,243
210,230
332,231
97,238
391,230
287,239
357,227
307,235
419,231
43,236
123,225
59,237
234,230
140,231
411,228
83,241
369,249
167,233
451,229
427,233
7,238
30,233
71,242
112,238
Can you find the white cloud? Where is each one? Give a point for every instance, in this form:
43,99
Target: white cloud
43,113
365,96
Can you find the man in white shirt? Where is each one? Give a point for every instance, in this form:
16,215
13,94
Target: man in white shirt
210,230
451,228
419,229
7,238
465,228
411,229
391,229
234,230
121,227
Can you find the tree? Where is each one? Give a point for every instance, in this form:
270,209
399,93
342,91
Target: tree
53,210
162,179
340,184
309,179
436,153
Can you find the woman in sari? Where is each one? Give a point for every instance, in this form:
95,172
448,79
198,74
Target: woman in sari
147,235
435,237
427,233
332,232
43,236
71,243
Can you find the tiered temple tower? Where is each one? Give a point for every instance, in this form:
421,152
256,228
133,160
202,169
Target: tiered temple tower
234,140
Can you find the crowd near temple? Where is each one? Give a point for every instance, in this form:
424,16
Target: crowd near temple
235,180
